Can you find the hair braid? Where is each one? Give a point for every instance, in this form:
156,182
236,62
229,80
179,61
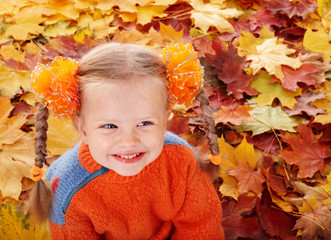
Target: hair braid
211,169
39,204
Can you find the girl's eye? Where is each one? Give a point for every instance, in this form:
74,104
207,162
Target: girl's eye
145,123
109,126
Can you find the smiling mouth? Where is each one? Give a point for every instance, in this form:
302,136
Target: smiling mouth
128,158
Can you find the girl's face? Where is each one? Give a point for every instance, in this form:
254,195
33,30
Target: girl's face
123,126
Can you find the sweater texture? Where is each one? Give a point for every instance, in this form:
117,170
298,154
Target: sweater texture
170,198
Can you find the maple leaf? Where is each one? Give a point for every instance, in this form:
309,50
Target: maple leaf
271,56
16,226
268,118
318,42
233,222
302,74
207,15
233,114
275,221
306,151
303,104
228,67
317,61
264,17
269,92
248,180
274,181
12,82
292,8
324,104
229,187
266,142
315,224
61,135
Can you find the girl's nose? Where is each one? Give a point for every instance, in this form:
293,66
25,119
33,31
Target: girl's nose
128,139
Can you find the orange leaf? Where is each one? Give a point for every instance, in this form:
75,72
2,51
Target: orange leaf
248,180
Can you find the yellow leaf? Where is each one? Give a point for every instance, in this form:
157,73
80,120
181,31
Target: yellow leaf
29,98
62,135
287,207
100,28
245,153
16,161
271,55
207,15
31,47
16,226
169,34
5,109
324,104
84,20
228,160
128,16
269,92
327,187
9,51
32,14
11,82
21,31
229,187
248,42
67,10
146,14
309,205
10,129
318,41
80,35
59,29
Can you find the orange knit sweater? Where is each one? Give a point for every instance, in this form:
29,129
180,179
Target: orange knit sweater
171,197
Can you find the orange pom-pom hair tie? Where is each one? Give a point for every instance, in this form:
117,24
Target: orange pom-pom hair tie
185,74
36,173
56,83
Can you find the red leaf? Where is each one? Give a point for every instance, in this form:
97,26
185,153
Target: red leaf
275,181
263,17
304,106
266,142
306,151
291,8
248,180
233,221
275,221
228,66
292,76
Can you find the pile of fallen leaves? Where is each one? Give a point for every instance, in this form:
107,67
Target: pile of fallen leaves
268,78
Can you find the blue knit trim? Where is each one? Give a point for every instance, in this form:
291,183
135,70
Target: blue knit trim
73,176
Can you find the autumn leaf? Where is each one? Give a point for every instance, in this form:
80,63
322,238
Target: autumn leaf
324,104
233,222
270,91
233,114
207,15
264,17
271,56
229,187
61,135
228,67
316,223
16,226
302,74
291,8
248,180
303,104
318,42
275,221
305,151
268,118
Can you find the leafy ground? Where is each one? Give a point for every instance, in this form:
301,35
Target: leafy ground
267,72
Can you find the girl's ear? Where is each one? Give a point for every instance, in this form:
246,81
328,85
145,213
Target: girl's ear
81,128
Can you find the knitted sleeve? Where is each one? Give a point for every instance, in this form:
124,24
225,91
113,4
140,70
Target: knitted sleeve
77,227
201,212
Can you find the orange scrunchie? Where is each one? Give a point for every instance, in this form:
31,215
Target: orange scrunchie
215,159
36,173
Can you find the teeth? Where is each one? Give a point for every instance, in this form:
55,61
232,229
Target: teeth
129,157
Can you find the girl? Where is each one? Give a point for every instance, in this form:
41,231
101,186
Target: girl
128,178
